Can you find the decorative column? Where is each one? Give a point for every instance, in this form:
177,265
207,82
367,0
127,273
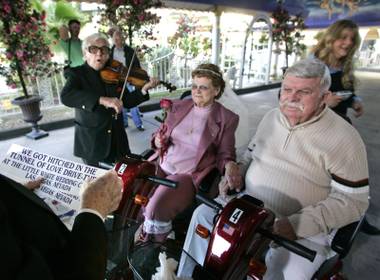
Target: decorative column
216,38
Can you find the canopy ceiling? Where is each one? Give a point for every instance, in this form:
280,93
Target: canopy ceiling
367,12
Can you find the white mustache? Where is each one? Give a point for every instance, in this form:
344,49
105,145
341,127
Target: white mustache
296,105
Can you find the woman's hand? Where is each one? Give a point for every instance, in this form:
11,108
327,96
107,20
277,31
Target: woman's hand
333,100
159,140
153,82
358,108
112,102
223,187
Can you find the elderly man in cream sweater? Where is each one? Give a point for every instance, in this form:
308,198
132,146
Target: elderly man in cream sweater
307,165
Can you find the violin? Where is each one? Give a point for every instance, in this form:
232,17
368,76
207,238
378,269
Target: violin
115,72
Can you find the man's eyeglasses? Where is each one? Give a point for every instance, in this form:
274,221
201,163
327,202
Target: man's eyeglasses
95,49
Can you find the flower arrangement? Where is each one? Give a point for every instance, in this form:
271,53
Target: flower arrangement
132,16
287,30
27,53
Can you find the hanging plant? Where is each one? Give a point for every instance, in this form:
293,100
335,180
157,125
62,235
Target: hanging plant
132,16
27,53
287,31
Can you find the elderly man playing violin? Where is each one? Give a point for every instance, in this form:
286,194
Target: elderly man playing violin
98,103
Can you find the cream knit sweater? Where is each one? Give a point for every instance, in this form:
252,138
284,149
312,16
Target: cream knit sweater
315,173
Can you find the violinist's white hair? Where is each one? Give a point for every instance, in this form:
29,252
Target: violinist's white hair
89,40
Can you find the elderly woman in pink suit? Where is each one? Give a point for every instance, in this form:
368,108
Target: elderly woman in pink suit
196,137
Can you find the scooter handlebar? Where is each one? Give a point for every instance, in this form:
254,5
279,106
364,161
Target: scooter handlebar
161,181
290,245
209,202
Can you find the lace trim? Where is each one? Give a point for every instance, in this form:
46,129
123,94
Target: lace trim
157,227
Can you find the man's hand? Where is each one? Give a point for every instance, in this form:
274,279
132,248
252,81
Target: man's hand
233,175
284,228
31,185
64,33
112,102
153,82
232,179
103,194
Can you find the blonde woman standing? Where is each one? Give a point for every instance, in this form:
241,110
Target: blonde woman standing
336,48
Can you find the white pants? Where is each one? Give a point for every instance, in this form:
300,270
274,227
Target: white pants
281,263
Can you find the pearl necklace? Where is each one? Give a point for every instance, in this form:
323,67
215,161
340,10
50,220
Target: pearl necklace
191,129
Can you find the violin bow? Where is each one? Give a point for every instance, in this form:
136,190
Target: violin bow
126,78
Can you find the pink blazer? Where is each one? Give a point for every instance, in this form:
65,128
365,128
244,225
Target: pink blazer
217,145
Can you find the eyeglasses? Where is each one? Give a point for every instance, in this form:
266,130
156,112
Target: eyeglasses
95,49
201,87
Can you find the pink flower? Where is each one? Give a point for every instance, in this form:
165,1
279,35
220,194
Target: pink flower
19,53
166,104
7,8
141,17
9,55
117,2
18,28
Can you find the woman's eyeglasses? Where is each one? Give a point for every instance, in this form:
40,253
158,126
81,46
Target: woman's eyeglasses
95,49
200,87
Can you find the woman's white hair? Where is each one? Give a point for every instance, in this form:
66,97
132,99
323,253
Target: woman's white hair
89,40
311,68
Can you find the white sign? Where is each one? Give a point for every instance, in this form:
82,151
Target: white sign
234,218
63,178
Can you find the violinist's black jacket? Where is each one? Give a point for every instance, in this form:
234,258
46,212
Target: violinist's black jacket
98,136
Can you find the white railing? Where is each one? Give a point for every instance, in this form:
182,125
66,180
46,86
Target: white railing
173,69
169,68
368,59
